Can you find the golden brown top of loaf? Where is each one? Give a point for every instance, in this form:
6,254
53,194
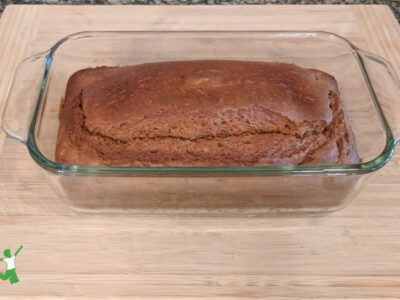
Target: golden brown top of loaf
126,99
200,113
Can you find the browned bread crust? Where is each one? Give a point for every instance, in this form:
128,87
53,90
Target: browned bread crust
203,113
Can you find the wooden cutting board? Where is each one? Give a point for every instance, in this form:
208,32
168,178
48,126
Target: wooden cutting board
354,253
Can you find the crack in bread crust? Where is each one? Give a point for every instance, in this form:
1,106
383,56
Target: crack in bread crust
204,137
307,150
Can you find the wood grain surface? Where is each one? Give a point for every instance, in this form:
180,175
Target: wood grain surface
354,253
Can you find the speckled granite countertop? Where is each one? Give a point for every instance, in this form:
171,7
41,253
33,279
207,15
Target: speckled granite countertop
394,4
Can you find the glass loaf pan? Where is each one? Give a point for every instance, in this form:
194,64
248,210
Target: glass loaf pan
369,92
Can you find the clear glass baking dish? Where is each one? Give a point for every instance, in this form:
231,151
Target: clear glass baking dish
369,91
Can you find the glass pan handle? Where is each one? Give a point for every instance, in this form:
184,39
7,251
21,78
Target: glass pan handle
23,96
385,87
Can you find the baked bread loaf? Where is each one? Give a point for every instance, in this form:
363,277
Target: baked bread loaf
203,113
